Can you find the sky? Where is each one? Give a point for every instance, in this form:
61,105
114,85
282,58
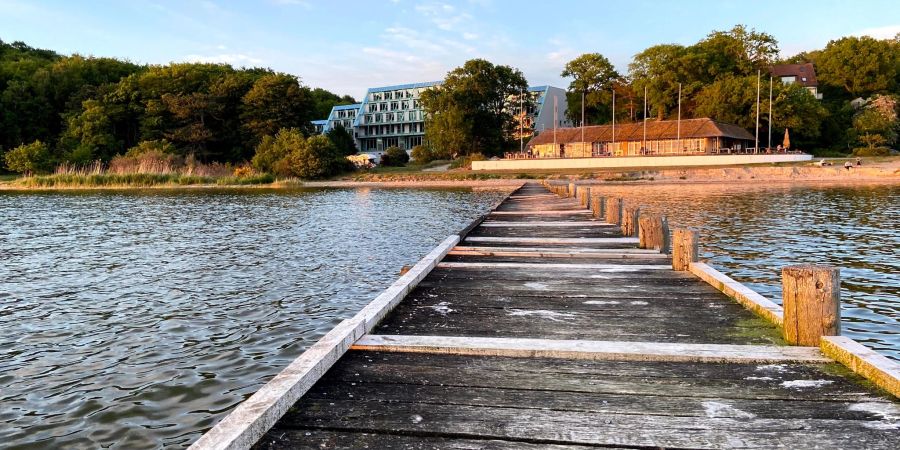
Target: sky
347,46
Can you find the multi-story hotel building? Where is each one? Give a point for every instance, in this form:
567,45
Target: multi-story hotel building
392,116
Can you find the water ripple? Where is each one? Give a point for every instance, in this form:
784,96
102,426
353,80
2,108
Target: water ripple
138,319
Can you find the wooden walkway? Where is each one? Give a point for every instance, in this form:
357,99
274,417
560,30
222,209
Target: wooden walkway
545,328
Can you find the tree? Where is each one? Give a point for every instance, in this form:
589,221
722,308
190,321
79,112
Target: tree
318,158
594,76
658,69
272,151
324,100
394,156
33,158
342,140
277,101
860,66
473,106
875,129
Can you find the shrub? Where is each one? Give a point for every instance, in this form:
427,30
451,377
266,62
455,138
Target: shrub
242,171
271,151
422,154
866,151
318,158
466,162
394,156
156,147
29,159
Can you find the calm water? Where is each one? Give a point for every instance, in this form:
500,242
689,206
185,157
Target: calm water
137,320
751,232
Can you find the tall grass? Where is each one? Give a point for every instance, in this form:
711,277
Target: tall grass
147,169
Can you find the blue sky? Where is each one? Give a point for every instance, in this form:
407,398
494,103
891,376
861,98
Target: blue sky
349,45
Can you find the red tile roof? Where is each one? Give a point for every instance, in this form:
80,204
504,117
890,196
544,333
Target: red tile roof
799,71
656,130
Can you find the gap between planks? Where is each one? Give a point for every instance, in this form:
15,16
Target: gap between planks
542,266
590,350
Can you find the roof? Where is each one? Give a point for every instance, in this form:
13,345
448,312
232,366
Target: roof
319,122
340,107
800,71
663,129
404,86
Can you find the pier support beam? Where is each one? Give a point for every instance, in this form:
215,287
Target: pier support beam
812,303
614,211
597,206
571,192
584,196
630,216
685,248
653,232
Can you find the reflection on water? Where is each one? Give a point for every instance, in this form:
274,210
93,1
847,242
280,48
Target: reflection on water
751,232
138,319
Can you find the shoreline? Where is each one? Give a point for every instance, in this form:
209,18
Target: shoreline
877,173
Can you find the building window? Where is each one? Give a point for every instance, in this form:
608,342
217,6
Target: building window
394,106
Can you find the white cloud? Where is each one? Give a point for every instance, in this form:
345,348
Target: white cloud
469,36
886,32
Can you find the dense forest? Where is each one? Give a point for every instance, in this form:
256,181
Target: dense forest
82,109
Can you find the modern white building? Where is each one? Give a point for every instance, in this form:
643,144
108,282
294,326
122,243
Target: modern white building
392,116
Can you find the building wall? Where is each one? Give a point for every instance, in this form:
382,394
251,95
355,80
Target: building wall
391,116
543,120
635,162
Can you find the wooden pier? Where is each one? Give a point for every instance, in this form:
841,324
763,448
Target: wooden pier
544,326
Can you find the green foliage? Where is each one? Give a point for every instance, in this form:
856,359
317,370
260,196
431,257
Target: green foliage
873,151
33,158
272,152
875,129
342,140
468,113
324,100
860,66
144,147
423,154
274,102
466,162
318,158
394,156
594,76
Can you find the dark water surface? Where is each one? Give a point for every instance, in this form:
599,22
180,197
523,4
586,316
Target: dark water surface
138,319
750,232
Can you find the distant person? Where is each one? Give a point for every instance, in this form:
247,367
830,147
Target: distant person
848,165
858,161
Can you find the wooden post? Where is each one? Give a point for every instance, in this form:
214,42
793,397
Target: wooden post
597,206
812,303
571,190
584,197
653,232
685,248
614,211
630,216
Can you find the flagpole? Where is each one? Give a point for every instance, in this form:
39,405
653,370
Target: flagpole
614,120
770,112
679,117
644,142
555,119
758,75
582,118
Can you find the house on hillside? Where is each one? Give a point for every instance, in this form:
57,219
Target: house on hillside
803,74
664,137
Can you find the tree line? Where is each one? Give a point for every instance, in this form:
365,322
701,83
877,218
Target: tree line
717,77
75,109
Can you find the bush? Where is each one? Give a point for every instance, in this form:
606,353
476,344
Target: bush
466,161
29,159
318,158
422,154
272,151
866,151
394,156
156,147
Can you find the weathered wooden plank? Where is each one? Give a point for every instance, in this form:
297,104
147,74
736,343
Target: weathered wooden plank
580,223
545,266
563,212
589,350
567,427
313,439
633,251
742,294
539,240
551,254
885,373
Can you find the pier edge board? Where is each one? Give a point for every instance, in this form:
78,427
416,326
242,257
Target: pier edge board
751,300
868,363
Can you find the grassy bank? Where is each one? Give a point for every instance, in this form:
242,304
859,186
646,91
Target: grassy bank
133,180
